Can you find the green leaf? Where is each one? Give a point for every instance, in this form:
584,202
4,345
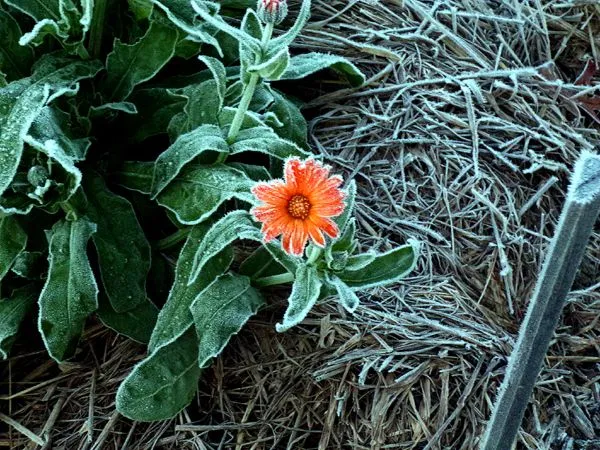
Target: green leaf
29,265
216,21
59,18
273,67
123,251
156,107
219,74
343,219
202,108
70,292
346,242
112,107
136,323
175,317
261,264
56,153
295,128
12,313
385,268
358,262
198,191
18,109
185,149
12,242
303,65
15,60
305,293
141,9
22,102
136,176
265,140
220,311
131,64
182,15
233,226
347,297
288,37
162,384
56,125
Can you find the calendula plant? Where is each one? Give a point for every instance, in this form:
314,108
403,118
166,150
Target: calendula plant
123,142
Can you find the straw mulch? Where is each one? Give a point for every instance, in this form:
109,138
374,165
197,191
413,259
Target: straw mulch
463,139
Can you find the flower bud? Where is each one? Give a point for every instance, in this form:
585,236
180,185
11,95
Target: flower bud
272,11
37,176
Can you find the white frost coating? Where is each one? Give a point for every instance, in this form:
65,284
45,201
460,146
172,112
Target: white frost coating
585,183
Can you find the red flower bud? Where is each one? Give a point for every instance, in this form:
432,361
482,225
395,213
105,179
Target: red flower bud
272,11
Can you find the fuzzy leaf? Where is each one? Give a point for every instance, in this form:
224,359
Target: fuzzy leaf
12,312
343,219
156,107
265,140
219,74
123,251
56,125
220,311
384,269
295,128
185,149
141,9
136,176
29,265
202,108
346,242
216,21
163,383
358,262
261,264
12,242
233,226
136,323
347,297
22,102
17,112
288,37
183,16
15,59
175,317
303,65
56,153
199,190
70,293
305,293
131,64
274,67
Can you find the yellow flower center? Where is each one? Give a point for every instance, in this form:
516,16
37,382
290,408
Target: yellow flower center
299,207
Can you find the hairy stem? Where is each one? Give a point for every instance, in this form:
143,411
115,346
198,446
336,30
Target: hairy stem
247,95
554,283
274,280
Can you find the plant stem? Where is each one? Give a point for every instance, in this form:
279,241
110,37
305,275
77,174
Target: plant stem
274,280
173,239
567,248
97,28
314,255
247,95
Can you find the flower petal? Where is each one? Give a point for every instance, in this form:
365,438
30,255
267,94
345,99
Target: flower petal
326,225
315,234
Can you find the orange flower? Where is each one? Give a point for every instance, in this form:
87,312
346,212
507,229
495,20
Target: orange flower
301,206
